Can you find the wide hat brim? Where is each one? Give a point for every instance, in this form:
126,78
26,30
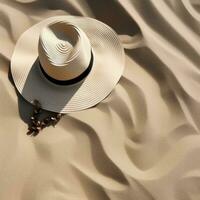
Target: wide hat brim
108,65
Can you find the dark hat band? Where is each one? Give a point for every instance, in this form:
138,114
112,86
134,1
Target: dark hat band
71,81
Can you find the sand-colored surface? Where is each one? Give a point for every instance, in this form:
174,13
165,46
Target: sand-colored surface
142,142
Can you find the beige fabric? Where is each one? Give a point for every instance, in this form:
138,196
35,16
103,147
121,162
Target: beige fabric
142,142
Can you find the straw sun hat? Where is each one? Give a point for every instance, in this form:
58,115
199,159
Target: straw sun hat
67,63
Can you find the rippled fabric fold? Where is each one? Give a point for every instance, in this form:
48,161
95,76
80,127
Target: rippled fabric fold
142,142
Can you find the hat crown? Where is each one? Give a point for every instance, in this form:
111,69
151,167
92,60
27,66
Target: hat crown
64,50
